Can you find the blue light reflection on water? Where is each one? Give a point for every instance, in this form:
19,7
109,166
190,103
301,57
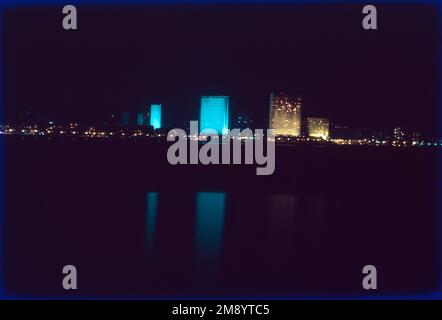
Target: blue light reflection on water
152,210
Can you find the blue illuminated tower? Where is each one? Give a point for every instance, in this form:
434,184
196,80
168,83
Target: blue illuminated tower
215,113
155,116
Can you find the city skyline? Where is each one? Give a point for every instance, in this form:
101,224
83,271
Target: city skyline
215,113
284,114
157,55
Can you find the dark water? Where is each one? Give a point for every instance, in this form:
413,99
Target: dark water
134,226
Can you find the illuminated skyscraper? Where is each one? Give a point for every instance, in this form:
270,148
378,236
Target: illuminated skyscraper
155,116
285,115
318,128
215,113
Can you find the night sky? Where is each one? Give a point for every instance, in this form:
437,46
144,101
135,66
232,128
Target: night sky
123,58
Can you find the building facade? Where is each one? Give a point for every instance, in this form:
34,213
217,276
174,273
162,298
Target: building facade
285,115
318,128
214,113
155,116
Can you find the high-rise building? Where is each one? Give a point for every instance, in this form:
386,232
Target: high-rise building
318,128
215,113
155,116
125,118
285,115
141,119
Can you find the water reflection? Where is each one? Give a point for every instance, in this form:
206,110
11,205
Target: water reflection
209,222
210,208
209,225
282,239
152,208
210,243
